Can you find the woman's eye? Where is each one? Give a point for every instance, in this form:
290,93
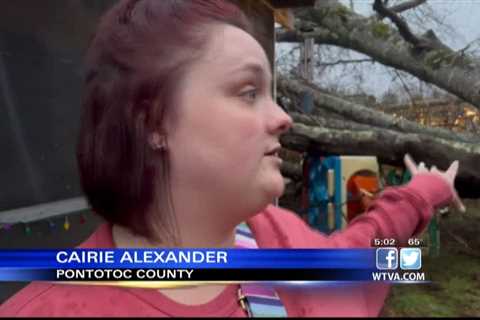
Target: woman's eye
250,95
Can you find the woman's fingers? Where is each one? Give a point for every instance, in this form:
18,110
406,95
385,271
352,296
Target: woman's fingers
451,173
410,164
448,175
422,167
457,202
453,169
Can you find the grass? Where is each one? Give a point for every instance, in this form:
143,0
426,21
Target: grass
455,290
455,274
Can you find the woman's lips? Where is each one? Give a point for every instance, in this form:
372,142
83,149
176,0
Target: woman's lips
275,158
274,151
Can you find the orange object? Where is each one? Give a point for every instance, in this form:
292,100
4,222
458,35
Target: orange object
286,18
362,190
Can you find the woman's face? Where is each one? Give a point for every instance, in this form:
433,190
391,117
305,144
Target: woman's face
225,124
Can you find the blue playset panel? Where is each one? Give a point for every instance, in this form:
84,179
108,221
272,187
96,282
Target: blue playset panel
318,195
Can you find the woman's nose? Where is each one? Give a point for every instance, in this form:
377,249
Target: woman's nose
281,121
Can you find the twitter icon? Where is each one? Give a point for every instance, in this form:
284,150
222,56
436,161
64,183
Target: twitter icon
410,258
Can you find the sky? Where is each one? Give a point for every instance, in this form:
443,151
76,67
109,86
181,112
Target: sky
463,16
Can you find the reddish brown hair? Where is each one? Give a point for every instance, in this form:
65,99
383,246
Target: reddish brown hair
137,56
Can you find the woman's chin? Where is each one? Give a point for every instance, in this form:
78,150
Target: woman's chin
265,191
275,187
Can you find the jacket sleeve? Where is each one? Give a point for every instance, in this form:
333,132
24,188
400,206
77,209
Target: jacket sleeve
399,213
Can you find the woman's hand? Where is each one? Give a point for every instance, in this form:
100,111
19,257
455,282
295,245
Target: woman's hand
448,176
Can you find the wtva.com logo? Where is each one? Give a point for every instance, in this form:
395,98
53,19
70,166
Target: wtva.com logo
410,258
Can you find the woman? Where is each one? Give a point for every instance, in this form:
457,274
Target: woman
179,145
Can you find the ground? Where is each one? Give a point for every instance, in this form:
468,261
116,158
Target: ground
455,273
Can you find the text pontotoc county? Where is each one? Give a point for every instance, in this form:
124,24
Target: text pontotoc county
123,274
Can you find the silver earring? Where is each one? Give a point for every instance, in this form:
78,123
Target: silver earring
158,142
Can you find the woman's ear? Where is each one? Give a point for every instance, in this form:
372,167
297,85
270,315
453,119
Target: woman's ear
157,141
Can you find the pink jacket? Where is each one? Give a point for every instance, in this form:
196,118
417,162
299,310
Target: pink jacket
398,213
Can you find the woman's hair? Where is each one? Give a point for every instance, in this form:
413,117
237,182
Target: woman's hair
134,64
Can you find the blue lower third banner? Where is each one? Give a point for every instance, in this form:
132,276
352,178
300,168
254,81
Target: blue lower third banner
190,258
194,265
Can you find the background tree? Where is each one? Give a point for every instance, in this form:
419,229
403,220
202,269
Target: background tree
346,118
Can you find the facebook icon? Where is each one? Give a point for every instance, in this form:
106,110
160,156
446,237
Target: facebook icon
387,258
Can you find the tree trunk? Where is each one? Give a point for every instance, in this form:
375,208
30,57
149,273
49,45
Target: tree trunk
332,106
389,146
338,126
432,61
333,136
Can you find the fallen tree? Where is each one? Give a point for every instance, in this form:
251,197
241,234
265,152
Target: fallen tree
423,56
339,126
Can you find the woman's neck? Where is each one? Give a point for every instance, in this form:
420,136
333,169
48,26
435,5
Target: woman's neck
190,237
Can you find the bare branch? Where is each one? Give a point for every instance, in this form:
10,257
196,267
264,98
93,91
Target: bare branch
437,63
402,26
404,86
338,62
407,5
418,17
468,46
295,48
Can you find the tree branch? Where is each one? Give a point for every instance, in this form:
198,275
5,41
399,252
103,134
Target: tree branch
338,62
402,26
364,115
404,86
407,5
387,145
337,25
